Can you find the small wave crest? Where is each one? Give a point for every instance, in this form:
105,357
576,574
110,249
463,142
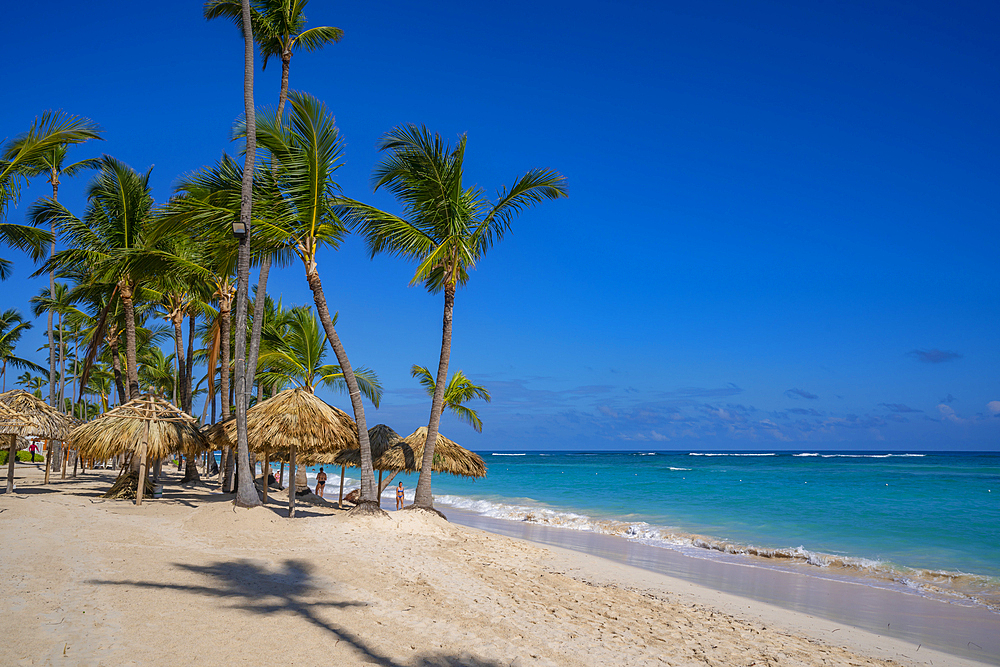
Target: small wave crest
728,454
499,454
807,454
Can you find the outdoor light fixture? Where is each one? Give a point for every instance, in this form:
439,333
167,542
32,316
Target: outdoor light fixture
239,229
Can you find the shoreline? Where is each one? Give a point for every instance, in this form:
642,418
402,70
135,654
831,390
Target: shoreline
893,614
190,579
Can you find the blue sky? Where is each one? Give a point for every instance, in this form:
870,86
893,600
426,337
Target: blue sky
782,227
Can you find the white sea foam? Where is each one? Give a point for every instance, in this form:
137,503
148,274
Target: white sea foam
673,468
807,454
869,456
499,454
728,454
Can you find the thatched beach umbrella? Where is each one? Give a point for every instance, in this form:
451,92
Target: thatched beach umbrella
408,453
297,423
38,419
382,438
10,425
148,425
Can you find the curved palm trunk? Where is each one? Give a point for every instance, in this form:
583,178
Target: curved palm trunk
422,496
52,291
368,498
131,370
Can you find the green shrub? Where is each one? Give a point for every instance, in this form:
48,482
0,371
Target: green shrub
23,457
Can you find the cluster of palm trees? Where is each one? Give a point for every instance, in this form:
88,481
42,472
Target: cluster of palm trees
133,271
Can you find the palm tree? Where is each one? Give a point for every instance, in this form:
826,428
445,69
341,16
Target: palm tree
58,302
50,162
109,240
305,154
459,390
294,350
278,30
32,383
19,159
12,327
446,228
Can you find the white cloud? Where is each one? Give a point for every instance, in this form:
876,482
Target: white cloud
993,407
948,413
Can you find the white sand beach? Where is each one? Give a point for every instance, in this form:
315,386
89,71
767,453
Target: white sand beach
191,580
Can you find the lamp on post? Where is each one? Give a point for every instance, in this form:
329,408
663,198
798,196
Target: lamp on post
239,229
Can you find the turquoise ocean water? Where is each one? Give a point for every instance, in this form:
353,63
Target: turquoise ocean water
926,521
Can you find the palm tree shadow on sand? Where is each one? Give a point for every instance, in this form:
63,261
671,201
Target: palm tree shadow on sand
289,590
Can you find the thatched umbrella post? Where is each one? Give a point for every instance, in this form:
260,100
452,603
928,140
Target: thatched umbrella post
265,472
343,469
291,481
140,488
11,455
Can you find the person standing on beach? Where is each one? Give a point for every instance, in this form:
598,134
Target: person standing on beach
399,496
320,483
32,448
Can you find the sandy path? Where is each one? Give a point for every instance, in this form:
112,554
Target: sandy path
190,580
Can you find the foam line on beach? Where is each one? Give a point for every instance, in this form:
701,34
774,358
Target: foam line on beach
941,584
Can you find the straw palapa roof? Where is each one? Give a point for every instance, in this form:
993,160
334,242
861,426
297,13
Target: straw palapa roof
407,455
292,417
380,437
37,418
122,430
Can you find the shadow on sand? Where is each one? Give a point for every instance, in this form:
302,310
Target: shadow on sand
261,591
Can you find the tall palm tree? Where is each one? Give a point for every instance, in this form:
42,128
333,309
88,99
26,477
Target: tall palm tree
19,159
445,227
460,389
278,30
51,162
12,327
294,351
305,153
58,302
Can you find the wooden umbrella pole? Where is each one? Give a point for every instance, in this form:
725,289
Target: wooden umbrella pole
64,461
141,486
379,487
340,503
265,473
291,481
11,456
48,460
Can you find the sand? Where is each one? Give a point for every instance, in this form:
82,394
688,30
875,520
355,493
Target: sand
192,580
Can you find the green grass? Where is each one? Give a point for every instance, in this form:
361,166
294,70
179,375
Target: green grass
23,457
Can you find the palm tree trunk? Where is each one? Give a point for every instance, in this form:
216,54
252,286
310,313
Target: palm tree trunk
291,481
116,367
246,495
178,321
258,323
422,497
132,371
286,61
368,503
52,340
189,378
62,368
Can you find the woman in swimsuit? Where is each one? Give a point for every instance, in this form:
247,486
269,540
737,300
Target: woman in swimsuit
320,482
399,496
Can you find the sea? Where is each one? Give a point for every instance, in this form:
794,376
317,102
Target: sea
924,522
